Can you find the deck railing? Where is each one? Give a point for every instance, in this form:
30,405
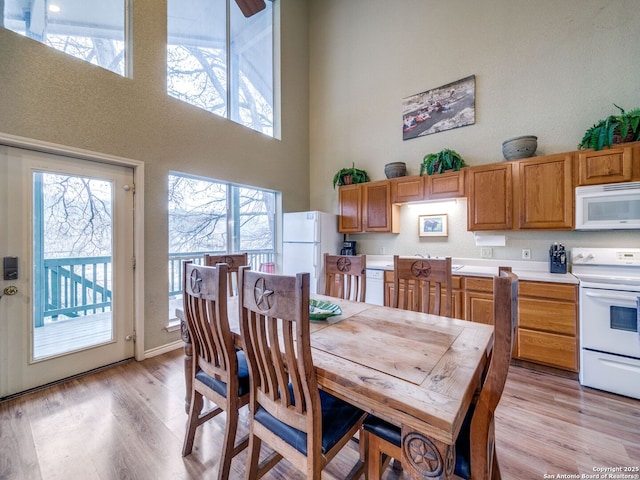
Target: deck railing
74,287
80,286
257,259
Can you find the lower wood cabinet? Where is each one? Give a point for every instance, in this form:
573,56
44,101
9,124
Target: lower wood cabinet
548,324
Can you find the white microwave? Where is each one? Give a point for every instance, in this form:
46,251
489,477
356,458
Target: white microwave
611,206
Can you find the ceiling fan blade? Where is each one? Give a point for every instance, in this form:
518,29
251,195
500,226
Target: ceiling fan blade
251,7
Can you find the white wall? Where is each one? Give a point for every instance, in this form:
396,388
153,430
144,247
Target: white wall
544,68
49,96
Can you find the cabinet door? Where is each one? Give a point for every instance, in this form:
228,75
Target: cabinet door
544,187
350,199
407,189
445,185
379,214
610,165
478,307
490,193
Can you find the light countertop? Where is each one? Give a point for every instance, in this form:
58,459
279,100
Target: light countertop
526,270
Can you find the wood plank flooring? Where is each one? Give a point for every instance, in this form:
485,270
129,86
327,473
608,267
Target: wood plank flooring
127,422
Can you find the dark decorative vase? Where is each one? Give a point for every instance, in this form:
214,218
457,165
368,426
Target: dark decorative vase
395,169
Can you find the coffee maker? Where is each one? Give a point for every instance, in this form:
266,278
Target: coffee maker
348,248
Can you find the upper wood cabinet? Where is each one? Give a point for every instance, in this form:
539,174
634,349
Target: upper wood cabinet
407,189
367,207
610,165
428,187
379,214
490,193
350,218
543,188
445,185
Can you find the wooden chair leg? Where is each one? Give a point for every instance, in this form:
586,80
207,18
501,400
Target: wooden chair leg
228,445
376,461
195,406
253,457
495,471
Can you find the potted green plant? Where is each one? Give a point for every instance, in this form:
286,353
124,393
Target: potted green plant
442,161
612,130
350,175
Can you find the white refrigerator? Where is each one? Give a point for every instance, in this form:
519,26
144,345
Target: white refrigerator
306,237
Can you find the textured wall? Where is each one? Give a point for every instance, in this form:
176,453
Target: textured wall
47,95
543,68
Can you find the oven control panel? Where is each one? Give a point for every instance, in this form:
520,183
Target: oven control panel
606,256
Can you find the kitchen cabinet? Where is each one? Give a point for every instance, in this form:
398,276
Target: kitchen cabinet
533,193
367,207
478,299
379,214
445,185
350,200
548,324
547,331
543,189
439,186
490,194
617,164
456,301
407,189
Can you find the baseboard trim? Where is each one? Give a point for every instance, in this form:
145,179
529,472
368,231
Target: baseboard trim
169,347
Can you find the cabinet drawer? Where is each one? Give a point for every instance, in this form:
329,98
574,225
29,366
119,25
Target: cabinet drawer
547,316
548,348
478,284
555,291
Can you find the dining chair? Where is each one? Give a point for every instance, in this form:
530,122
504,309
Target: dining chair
345,276
234,261
218,372
476,457
301,423
413,279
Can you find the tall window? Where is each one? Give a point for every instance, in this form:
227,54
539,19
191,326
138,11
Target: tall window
93,31
209,216
222,62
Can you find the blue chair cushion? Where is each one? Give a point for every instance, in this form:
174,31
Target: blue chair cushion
221,387
393,435
338,417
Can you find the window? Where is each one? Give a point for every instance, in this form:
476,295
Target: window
222,62
209,216
92,31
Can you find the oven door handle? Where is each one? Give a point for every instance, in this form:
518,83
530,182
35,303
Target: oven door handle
624,299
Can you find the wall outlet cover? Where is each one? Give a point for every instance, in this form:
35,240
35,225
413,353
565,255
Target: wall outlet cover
486,252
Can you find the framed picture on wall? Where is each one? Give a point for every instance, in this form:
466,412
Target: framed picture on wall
432,225
450,106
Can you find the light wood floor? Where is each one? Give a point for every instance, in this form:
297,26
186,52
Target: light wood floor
127,422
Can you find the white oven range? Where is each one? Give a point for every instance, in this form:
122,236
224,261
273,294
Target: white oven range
609,318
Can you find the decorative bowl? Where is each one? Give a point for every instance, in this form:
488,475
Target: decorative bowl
395,169
319,310
520,147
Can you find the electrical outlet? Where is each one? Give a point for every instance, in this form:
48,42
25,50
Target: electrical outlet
526,254
381,250
486,252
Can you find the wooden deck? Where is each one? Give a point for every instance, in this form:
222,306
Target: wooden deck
62,336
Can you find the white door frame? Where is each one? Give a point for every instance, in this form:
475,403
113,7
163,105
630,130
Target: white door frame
138,199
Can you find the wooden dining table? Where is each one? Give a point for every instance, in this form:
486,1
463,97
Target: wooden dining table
415,370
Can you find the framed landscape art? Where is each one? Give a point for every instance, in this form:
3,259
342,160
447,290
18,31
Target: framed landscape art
450,106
